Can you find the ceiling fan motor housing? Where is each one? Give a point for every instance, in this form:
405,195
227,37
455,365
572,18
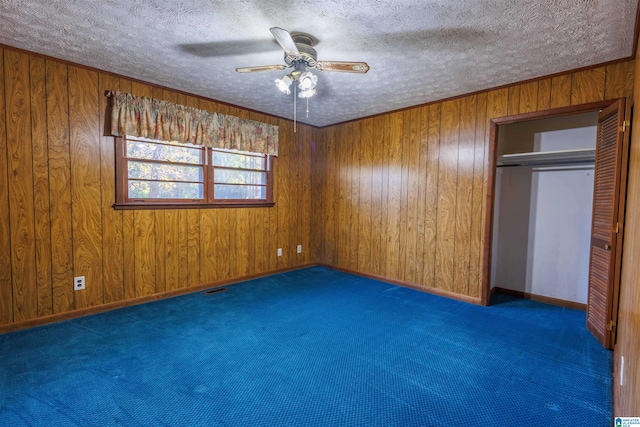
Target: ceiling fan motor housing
308,55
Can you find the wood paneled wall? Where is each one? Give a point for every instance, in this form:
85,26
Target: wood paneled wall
402,195
57,191
627,377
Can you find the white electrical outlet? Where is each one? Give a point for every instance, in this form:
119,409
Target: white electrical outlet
279,251
299,249
78,283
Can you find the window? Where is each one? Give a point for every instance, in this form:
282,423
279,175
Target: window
160,174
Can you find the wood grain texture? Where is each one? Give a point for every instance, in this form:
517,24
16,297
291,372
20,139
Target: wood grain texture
464,194
56,202
619,80
513,105
60,186
431,194
128,238
447,187
478,197
405,193
587,86
394,195
41,185
342,194
413,261
423,151
627,392
544,94
112,233
305,155
6,289
354,197
561,91
21,208
376,196
84,130
528,97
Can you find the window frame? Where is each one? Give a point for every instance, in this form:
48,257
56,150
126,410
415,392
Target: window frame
123,201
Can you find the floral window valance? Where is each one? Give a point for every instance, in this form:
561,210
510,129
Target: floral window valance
152,118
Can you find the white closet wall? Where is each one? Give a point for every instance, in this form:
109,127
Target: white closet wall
542,221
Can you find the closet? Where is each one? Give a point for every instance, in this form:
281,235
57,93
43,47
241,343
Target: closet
543,202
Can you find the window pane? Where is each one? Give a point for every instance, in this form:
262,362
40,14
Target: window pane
164,190
243,192
143,170
229,176
173,153
235,160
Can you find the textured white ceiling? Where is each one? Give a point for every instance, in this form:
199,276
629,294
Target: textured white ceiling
419,51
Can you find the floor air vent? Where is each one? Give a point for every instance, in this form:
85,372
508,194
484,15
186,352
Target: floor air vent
215,291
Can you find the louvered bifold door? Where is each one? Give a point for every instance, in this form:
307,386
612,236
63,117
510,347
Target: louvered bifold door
603,228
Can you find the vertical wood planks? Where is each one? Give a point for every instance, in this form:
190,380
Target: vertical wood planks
112,235
431,193
619,80
528,97
343,161
376,195
422,130
478,197
331,196
587,86
365,177
20,163
354,198
284,197
41,186
544,94
561,91
394,199
318,188
513,105
84,124
447,185
60,186
401,195
308,247
413,262
466,145
6,290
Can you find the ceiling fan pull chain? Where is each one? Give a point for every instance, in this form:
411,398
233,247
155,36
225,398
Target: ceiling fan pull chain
307,108
295,109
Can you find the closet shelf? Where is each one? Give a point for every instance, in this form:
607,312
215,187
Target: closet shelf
583,155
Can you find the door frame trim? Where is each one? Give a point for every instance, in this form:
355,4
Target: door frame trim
491,175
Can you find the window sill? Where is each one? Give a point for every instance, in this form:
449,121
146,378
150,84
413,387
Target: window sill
160,206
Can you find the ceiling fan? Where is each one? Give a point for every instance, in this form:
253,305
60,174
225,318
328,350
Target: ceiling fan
300,55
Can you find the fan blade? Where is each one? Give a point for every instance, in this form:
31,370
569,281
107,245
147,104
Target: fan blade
285,41
261,68
345,67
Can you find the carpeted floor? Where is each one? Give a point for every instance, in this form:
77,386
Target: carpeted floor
312,347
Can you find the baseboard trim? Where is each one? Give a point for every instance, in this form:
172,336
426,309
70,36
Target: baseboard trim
59,317
428,289
540,298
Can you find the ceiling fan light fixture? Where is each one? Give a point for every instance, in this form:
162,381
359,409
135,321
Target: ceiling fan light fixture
284,84
307,93
308,81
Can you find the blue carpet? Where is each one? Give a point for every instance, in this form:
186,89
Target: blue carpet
312,347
